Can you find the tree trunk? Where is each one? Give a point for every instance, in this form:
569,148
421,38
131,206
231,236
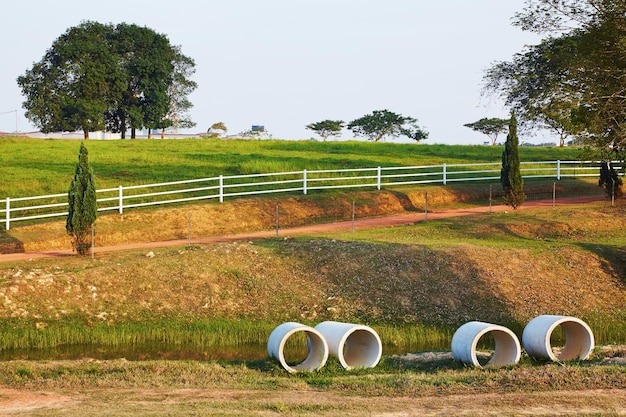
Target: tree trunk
86,133
163,133
132,133
149,133
123,126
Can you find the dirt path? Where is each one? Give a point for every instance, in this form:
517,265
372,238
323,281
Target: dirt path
163,401
402,219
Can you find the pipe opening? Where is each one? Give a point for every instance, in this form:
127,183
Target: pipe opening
506,347
558,338
293,339
361,349
354,345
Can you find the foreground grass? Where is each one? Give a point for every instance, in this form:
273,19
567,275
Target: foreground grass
397,385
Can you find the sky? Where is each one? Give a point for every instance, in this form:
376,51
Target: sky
285,64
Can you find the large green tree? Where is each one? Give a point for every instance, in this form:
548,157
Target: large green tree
327,128
574,79
146,58
76,81
511,174
99,76
492,127
83,207
383,123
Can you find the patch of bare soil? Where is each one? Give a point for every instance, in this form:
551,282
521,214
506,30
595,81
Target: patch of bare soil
14,401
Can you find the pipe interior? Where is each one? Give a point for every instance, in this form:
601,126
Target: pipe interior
578,341
361,349
506,350
315,347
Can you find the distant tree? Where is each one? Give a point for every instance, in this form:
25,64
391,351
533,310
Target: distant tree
610,181
327,128
97,77
76,82
382,123
83,208
511,175
492,127
212,132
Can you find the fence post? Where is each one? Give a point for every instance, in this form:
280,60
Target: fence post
7,214
353,215
304,181
378,182
558,170
121,200
613,195
188,229
445,175
221,191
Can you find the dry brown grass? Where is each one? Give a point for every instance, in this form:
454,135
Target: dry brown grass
230,217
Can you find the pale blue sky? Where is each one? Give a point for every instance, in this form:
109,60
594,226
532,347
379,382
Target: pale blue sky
287,63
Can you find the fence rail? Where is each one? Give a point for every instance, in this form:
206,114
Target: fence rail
221,187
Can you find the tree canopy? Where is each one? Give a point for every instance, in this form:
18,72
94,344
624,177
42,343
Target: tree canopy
574,80
492,127
98,76
214,130
327,128
383,123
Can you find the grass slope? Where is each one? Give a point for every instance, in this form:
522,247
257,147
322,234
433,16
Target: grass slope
503,268
38,167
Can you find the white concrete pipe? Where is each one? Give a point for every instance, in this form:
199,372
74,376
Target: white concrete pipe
316,344
355,345
579,340
507,347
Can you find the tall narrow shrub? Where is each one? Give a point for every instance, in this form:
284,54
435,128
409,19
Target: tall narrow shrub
511,175
610,180
83,207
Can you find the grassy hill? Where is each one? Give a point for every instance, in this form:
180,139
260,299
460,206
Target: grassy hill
39,167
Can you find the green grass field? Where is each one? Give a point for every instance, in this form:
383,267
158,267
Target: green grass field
38,167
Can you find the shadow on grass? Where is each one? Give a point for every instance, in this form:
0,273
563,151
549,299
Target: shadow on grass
613,259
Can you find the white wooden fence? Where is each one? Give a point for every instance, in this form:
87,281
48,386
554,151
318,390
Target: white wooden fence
218,188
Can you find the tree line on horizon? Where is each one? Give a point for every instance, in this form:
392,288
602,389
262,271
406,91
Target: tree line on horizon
375,127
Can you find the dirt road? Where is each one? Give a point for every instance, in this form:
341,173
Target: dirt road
365,223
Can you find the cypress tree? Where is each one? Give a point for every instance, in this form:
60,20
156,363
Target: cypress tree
610,180
83,207
510,175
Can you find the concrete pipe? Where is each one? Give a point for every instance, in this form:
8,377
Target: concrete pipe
507,347
355,345
579,340
316,344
